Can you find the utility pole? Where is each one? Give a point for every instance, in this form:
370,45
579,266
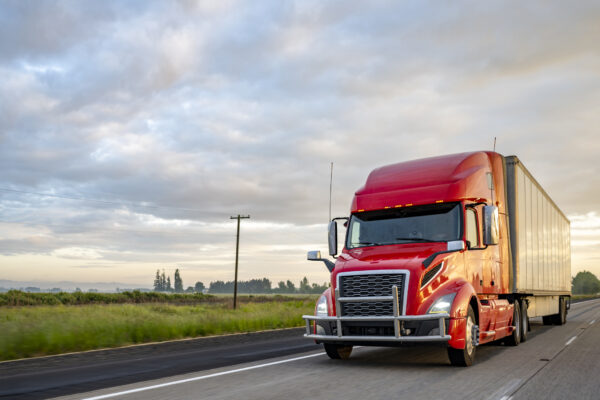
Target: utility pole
237,252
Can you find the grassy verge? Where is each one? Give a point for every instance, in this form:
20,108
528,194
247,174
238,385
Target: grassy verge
580,297
43,330
19,298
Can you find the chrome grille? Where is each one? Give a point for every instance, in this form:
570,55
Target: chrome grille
373,308
370,285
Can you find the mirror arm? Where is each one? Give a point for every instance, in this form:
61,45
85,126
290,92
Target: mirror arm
329,264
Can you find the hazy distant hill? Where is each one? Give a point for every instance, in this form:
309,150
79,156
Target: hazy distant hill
71,286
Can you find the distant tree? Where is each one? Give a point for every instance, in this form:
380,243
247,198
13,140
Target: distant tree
163,281
168,287
585,283
304,286
190,289
290,286
157,282
78,289
199,287
281,288
177,282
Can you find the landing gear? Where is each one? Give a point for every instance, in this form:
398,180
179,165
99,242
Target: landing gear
464,357
337,351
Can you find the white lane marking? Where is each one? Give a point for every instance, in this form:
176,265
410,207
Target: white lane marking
592,321
571,340
505,390
197,378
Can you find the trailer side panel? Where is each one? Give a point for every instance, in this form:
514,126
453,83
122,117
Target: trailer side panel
539,236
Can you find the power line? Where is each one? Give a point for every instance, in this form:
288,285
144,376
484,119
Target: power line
119,203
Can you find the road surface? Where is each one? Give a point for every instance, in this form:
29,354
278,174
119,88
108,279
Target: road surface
557,362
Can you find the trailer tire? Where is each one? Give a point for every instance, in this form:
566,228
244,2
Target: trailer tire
337,351
548,319
515,338
464,357
524,321
561,317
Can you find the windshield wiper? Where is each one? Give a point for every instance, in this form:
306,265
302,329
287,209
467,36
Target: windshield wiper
418,239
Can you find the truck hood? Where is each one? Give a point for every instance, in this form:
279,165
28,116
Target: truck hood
389,256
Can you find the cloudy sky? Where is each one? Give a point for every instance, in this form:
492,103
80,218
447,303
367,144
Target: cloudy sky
131,131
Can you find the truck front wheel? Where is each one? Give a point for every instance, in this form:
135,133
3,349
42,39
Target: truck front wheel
337,351
464,357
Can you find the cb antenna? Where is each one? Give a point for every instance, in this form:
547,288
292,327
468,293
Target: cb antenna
494,144
330,186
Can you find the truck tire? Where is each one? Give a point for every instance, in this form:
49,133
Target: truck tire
464,357
548,319
561,317
515,338
524,321
337,351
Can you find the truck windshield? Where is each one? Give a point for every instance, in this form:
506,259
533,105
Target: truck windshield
429,223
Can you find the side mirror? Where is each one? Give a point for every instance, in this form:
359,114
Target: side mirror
315,255
332,238
490,225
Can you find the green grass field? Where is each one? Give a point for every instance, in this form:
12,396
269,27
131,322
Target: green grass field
19,298
28,331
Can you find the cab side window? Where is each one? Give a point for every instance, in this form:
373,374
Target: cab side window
472,235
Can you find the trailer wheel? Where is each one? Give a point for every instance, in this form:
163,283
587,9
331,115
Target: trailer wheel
548,319
515,338
464,357
337,351
561,317
524,321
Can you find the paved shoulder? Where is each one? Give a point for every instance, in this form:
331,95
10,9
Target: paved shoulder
79,372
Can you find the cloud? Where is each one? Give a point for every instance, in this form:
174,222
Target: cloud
178,115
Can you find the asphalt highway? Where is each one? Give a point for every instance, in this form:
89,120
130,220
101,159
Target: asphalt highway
557,362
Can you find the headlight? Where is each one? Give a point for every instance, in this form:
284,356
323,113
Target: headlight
322,306
442,305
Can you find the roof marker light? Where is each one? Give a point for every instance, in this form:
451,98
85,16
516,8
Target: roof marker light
439,201
409,204
361,210
398,205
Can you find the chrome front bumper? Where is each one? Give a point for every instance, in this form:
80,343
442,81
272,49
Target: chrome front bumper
397,319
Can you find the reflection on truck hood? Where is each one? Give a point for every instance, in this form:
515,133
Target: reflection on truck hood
404,255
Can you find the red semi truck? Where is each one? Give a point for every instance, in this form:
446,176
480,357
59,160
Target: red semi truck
461,249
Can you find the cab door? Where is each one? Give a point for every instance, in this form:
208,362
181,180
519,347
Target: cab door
474,257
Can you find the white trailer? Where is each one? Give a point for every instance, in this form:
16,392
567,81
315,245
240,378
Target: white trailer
540,246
